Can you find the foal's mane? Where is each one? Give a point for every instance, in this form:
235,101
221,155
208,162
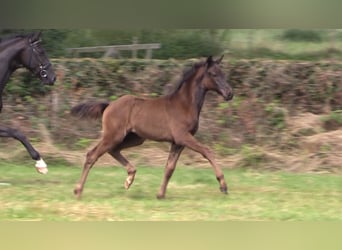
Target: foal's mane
188,74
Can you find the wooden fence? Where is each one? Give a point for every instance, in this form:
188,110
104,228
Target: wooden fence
114,50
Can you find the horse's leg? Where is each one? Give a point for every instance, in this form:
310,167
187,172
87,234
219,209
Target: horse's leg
129,167
131,140
0,102
102,147
174,154
16,134
189,141
3,81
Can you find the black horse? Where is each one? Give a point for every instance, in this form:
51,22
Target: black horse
24,51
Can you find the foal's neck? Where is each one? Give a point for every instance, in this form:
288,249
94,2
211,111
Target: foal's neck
192,94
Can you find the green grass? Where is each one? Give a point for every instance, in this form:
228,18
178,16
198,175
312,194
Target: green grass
193,194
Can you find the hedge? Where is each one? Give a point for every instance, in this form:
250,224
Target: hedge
267,93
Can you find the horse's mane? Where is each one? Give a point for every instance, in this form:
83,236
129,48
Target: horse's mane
188,74
7,38
6,41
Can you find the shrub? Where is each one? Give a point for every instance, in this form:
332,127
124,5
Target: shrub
276,116
188,45
252,156
333,121
298,35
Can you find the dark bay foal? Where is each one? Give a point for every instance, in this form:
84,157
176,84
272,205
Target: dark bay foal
130,120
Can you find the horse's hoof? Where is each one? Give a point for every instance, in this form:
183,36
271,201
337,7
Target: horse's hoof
224,190
77,193
42,170
160,197
130,179
128,182
41,166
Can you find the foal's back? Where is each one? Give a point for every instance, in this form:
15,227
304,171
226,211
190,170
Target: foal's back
147,117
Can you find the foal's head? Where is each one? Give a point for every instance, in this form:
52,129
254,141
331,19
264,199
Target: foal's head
34,58
214,79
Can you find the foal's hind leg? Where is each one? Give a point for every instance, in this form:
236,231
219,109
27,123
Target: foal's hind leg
102,147
174,154
130,140
129,167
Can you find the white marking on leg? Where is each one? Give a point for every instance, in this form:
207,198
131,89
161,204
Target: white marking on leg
41,166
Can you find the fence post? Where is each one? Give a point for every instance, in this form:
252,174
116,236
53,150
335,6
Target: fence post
111,52
148,54
54,107
134,50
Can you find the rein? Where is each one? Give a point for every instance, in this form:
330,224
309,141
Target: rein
41,69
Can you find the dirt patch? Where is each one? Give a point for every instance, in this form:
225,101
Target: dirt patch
328,141
305,124
318,150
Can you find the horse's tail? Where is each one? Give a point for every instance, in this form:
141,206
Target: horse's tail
91,110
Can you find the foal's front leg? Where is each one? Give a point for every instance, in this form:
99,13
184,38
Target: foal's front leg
189,141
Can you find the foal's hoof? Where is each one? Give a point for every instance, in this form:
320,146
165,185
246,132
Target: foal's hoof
160,196
224,190
128,182
77,193
130,179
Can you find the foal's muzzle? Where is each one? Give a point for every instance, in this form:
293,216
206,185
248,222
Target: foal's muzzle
229,96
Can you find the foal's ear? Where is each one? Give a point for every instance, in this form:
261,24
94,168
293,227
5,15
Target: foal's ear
218,61
210,61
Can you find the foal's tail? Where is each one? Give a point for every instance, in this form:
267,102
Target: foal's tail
91,110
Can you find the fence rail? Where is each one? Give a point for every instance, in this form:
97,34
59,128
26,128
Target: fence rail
114,50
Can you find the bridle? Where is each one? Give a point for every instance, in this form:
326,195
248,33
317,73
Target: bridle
41,69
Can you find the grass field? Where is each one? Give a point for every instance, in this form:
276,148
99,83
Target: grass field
193,194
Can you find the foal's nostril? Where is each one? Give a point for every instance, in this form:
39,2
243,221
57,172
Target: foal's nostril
230,96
